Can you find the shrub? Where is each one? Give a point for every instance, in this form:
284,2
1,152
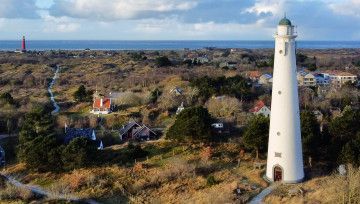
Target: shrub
163,61
82,95
80,152
210,180
192,124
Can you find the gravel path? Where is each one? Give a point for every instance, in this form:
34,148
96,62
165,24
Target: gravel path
56,106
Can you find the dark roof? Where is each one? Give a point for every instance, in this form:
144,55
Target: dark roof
72,133
142,128
128,126
285,22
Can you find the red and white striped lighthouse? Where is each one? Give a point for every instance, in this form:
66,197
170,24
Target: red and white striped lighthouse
23,45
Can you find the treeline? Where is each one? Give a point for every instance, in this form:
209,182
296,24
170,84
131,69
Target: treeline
337,143
41,150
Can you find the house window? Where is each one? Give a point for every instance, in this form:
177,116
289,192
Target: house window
278,154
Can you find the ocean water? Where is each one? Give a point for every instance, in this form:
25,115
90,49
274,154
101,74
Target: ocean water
11,45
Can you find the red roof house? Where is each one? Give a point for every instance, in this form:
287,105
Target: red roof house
260,108
101,106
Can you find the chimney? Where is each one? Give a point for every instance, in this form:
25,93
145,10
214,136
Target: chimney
101,102
23,45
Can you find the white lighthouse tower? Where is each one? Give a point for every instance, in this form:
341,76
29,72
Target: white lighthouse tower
285,160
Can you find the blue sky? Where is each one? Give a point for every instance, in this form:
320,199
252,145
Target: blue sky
177,19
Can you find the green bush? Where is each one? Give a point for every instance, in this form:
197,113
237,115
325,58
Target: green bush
210,180
191,125
163,61
82,95
256,134
80,152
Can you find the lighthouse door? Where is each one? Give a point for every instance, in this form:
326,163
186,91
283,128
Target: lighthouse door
278,173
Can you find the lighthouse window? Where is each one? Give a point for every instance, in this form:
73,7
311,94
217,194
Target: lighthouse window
277,154
278,133
280,51
279,92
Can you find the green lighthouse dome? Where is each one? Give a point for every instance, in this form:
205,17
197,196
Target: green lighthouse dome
285,22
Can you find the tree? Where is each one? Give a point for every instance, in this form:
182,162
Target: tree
350,153
80,152
36,153
37,123
310,133
343,128
163,61
192,124
81,95
36,140
154,95
256,134
226,107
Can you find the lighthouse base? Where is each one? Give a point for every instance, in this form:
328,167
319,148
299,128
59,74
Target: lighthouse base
270,180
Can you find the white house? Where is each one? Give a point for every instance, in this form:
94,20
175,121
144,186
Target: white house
265,79
260,108
306,79
322,80
339,78
101,106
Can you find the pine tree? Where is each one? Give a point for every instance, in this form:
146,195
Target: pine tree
257,133
192,124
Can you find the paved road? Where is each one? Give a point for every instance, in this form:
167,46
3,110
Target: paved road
56,106
42,192
259,198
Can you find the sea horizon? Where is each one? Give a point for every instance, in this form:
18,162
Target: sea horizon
43,45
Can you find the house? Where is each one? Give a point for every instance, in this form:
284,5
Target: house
134,131
228,64
260,108
306,79
177,91
321,79
253,75
2,156
180,108
265,79
203,60
339,78
101,106
72,133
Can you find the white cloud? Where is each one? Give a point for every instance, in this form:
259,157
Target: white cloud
60,24
273,7
347,7
118,9
173,28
